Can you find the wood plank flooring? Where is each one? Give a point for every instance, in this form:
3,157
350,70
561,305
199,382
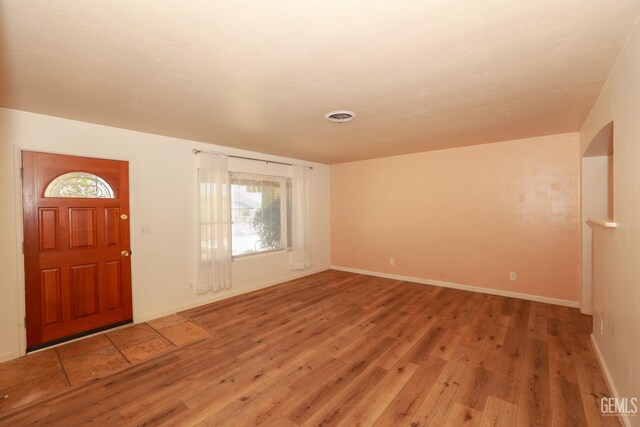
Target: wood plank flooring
344,349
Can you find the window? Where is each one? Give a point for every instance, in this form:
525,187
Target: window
260,213
81,185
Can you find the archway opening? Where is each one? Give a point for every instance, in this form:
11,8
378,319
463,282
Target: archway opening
597,200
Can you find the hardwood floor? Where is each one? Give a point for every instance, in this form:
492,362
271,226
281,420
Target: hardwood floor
338,348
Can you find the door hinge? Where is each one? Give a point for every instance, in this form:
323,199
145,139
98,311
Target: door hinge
21,173
25,321
22,247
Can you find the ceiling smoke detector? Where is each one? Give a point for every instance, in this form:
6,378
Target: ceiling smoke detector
340,116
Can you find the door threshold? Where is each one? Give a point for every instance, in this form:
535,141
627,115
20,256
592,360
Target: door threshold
76,337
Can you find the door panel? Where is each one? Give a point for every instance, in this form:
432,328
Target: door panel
82,228
111,226
51,296
48,229
77,278
84,290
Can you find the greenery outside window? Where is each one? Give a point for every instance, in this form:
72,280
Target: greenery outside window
260,214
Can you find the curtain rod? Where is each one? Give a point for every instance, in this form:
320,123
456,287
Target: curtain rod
196,151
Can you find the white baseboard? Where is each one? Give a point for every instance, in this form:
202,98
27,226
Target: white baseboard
228,294
490,291
607,377
9,356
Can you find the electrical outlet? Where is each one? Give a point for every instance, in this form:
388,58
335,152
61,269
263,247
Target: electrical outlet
145,229
192,286
512,275
392,261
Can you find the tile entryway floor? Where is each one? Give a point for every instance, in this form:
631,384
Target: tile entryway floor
40,375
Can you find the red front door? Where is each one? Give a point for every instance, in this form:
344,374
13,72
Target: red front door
76,246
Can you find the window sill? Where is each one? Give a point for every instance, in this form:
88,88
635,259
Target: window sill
606,223
257,255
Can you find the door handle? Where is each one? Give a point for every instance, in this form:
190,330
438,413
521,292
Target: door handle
125,253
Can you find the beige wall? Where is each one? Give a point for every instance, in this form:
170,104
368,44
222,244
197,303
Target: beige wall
466,216
163,177
616,256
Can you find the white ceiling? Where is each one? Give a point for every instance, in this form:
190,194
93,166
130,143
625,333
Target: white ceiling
255,74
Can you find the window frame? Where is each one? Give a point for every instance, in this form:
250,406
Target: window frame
285,193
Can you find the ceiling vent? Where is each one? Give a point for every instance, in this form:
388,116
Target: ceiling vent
340,116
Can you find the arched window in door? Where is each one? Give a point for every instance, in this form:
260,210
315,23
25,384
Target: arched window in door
79,185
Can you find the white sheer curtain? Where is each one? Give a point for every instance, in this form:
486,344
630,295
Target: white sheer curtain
214,199
301,257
